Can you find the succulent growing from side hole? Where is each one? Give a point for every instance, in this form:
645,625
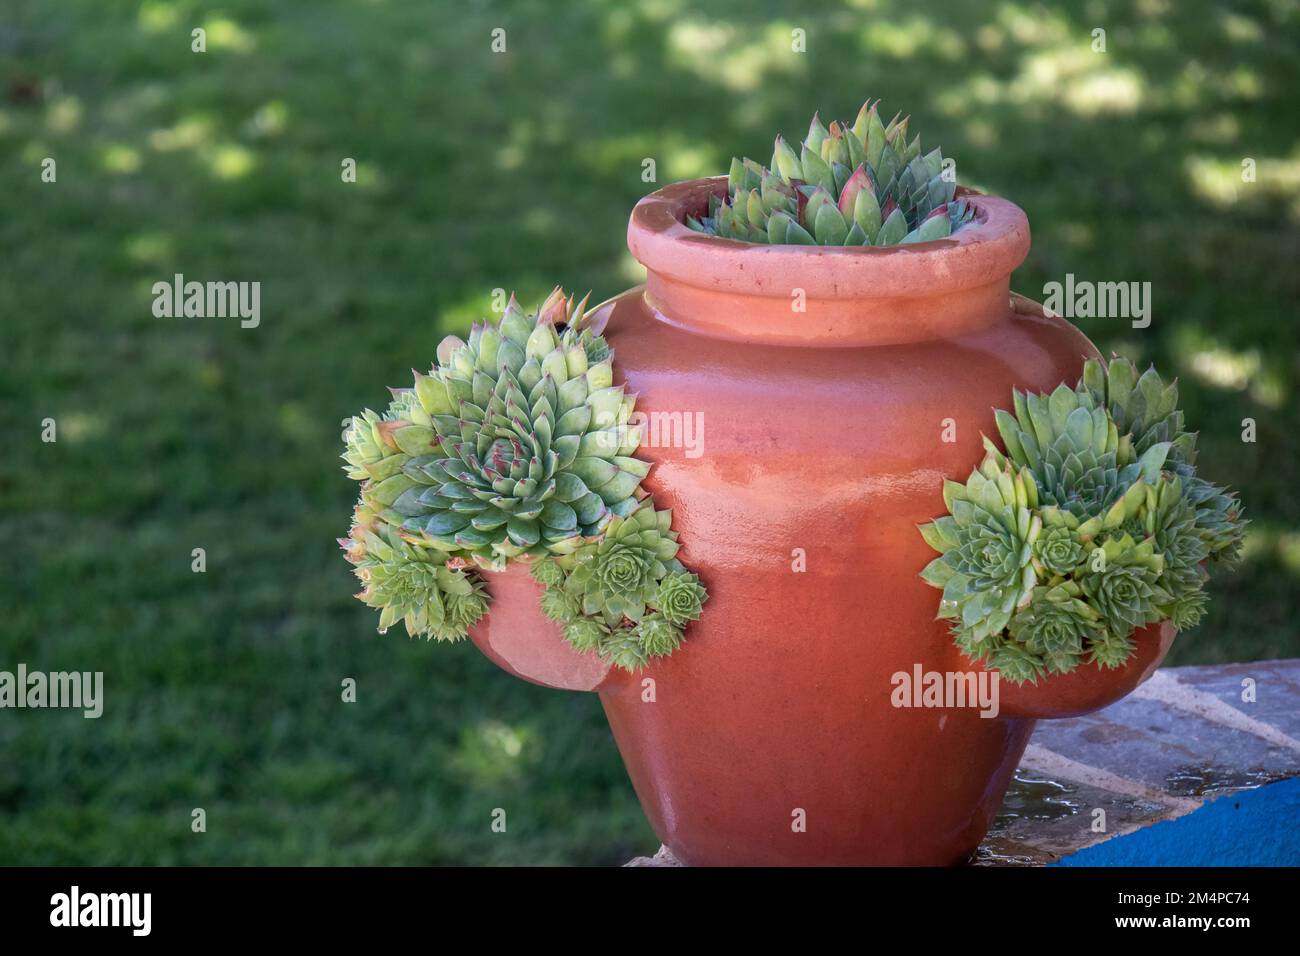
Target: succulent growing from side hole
1125,527
1055,628
680,598
986,546
413,584
848,185
617,576
517,446
586,634
628,593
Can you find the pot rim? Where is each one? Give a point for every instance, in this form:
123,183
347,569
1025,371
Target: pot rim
984,250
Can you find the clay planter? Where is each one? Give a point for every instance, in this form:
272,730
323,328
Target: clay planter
822,450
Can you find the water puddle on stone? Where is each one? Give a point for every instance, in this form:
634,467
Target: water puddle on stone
1035,797
1193,781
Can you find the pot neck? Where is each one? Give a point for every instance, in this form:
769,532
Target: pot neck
820,296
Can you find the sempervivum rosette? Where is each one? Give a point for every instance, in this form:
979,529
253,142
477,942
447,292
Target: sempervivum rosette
986,545
410,583
863,184
516,443
626,595
518,446
1121,528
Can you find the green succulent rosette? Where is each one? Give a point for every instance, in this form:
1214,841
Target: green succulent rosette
680,598
518,446
617,576
986,544
412,584
1121,527
658,635
1058,550
626,595
1056,627
586,634
1125,588
862,184
1146,408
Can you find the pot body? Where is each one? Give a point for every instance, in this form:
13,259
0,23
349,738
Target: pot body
798,472
772,738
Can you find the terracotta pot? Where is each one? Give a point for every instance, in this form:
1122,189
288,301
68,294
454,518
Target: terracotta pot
772,736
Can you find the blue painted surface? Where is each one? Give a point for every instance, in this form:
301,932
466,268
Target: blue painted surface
1258,827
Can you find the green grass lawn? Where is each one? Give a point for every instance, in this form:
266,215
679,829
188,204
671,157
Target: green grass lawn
477,171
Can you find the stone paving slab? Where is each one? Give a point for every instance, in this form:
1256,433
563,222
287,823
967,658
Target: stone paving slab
1188,735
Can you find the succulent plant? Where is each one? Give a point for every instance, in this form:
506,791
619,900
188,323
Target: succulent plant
680,598
1058,550
1076,454
986,546
413,584
1125,588
617,576
624,648
586,634
1121,528
561,606
1145,407
658,635
625,596
848,185
1015,663
518,446
1057,626
547,572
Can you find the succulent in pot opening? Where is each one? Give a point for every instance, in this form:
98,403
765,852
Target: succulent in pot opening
862,184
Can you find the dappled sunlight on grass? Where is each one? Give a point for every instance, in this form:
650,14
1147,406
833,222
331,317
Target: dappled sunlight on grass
738,58
1220,183
1239,28
1224,369
270,120
188,133
1212,363
225,34
63,115
491,752
1086,83
150,248
77,427
1288,549
1267,544
231,161
691,162
902,39
157,16
119,159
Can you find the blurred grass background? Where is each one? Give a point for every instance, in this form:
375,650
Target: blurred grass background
476,171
